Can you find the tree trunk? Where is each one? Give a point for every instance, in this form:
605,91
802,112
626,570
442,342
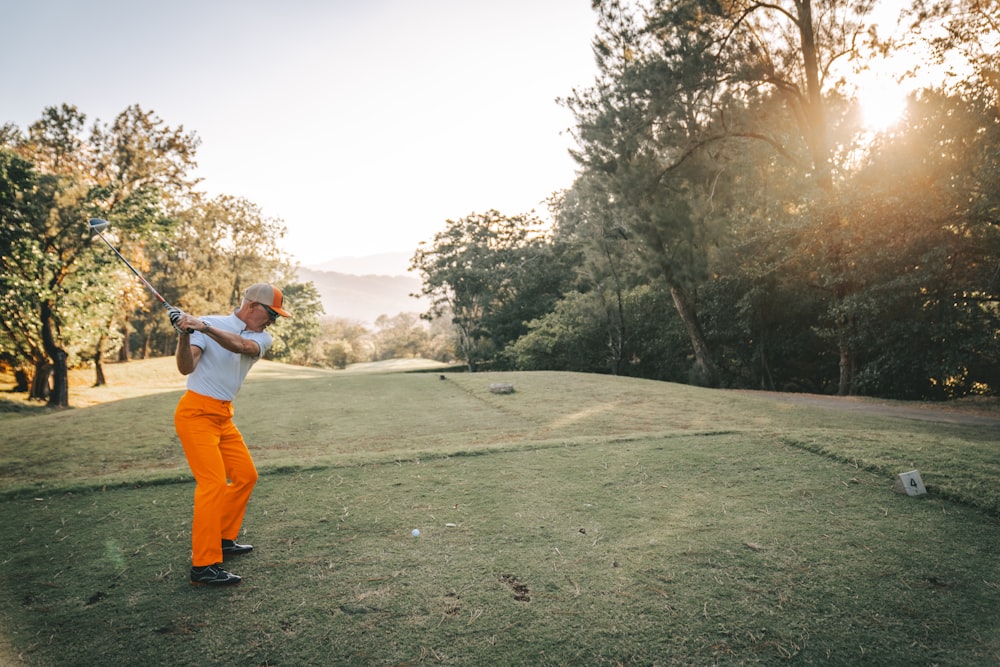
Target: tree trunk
21,381
123,353
99,379
59,397
707,370
616,330
708,374
466,346
814,111
40,383
615,347
766,376
846,385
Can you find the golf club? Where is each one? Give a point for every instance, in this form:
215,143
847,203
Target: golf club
98,225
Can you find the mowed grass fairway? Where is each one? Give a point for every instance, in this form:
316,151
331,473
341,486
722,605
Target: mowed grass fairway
581,520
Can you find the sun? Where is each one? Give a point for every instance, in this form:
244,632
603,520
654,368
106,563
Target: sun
882,100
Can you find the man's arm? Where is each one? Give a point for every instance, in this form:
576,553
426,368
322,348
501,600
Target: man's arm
187,355
228,340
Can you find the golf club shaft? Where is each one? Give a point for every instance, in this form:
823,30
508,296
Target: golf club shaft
137,274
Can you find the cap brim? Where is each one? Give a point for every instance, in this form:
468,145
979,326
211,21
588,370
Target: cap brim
281,311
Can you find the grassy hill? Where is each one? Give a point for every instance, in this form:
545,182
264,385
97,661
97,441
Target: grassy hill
579,520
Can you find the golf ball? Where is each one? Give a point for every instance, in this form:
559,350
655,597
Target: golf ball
416,532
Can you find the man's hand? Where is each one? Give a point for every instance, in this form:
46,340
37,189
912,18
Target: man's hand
176,314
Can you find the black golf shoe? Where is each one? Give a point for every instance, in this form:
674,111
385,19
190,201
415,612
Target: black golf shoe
231,548
213,575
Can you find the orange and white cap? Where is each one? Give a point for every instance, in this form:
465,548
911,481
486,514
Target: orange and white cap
268,295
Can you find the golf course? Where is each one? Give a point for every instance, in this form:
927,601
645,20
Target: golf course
578,520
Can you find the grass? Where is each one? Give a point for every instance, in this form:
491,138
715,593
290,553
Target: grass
582,520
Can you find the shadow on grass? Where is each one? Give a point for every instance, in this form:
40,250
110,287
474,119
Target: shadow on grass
12,405
721,550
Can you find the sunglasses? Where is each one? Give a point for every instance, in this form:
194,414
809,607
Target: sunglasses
270,311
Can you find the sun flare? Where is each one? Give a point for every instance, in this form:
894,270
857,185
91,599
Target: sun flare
882,100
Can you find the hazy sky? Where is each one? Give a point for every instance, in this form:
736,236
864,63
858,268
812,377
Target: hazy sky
364,125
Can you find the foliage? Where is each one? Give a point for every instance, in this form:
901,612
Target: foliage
118,174
570,338
492,273
581,334
298,340
401,337
928,256
683,93
17,290
732,222
766,338
67,299
723,163
725,175
344,342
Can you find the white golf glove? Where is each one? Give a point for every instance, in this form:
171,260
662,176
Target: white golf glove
175,316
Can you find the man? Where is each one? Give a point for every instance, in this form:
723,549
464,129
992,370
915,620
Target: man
216,353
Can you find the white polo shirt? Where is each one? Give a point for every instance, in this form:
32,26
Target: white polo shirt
220,373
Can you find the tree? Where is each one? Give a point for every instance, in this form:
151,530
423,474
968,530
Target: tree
299,340
249,243
403,336
930,251
688,88
55,260
493,273
721,157
634,128
605,261
68,299
344,342
46,247
138,153
142,167
19,294
572,337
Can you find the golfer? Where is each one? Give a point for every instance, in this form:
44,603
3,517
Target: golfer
215,353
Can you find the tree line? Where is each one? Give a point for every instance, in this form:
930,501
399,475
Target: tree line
65,299
733,221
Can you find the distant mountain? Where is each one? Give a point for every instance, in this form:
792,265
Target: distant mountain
384,264
365,297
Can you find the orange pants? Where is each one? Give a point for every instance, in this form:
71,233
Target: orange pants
223,471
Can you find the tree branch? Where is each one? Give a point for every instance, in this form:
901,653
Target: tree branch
694,148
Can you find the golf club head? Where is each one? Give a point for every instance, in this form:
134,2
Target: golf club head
98,225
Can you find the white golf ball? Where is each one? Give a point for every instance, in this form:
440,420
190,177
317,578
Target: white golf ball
416,532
